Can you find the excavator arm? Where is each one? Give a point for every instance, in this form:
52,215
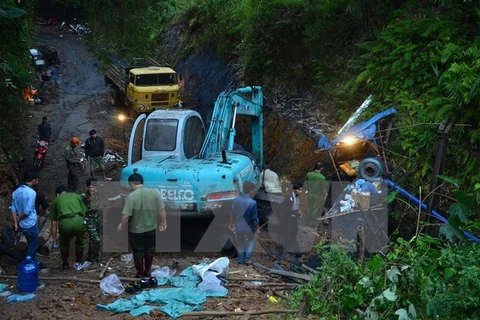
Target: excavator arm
221,134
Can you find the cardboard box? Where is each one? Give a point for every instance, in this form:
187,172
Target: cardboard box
362,198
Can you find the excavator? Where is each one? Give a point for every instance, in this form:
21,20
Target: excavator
195,171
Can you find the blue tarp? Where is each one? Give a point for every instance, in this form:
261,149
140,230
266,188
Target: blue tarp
363,130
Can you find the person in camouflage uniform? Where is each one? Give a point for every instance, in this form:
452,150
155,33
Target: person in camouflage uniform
93,220
75,168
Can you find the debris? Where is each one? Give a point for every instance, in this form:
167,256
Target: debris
5,293
273,300
102,273
21,298
112,284
285,273
127,258
237,312
310,269
164,272
117,197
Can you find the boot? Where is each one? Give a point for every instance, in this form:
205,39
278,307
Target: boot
139,266
148,264
64,254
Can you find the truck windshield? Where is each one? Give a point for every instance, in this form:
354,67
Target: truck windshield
161,135
147,80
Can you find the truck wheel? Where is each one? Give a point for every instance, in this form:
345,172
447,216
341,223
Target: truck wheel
115,97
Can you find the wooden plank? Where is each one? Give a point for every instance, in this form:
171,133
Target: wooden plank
102,273
295,275
304,266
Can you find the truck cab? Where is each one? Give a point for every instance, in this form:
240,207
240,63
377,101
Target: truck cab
151,88
195,172
143,88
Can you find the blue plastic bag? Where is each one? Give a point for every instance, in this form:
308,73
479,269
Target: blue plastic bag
20,298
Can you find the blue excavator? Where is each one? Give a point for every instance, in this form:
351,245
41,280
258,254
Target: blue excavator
195,171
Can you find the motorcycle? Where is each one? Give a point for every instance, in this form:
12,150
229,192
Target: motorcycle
76,27
40,155
39,159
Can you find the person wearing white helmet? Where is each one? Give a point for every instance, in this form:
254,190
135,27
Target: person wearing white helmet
75,168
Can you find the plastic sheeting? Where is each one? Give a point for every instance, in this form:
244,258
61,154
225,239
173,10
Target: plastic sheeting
175,301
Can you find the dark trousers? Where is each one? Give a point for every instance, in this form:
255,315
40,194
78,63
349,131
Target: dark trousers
142,243
74,172
40,200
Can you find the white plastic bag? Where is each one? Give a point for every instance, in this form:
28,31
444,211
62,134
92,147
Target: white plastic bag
127,258
210,282
112,285
164,272
219,267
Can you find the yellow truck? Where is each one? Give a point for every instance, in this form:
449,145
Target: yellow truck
142,88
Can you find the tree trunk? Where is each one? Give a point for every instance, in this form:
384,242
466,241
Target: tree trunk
22,243
46,249
45,233
41,222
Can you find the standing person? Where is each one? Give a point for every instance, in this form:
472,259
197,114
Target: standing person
75,168
66,215
140,213
94,150
316,185
290,217
45,130
24,213
54,76
244,218
93,221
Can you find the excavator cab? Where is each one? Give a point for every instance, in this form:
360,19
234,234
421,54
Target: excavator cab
176,134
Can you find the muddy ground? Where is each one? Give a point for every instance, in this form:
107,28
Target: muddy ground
81,104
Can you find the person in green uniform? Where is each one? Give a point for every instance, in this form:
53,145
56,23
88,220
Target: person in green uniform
316,185
93,221
75,168
66,214
140,213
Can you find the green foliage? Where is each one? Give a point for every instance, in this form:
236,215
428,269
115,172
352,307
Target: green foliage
426,63
272,36
132,28
16,71
419,279
215,23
